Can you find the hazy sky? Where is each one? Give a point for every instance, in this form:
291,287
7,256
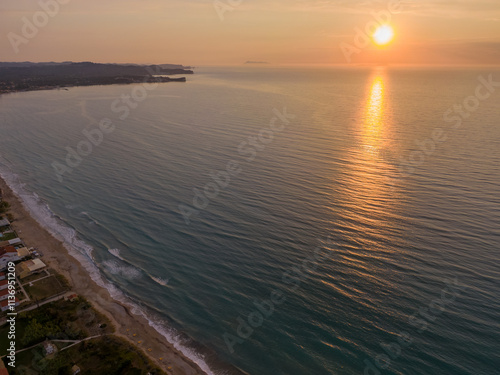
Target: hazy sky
193,32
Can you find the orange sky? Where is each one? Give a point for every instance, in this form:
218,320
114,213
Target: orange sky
194,32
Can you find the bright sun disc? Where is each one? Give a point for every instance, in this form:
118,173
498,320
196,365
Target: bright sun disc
383,35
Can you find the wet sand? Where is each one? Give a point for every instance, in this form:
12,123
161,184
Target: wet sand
126,323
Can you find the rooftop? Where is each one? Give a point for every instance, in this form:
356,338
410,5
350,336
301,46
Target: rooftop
7,249
5,302
32,265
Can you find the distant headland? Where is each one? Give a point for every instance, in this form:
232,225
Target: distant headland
28,76
256,62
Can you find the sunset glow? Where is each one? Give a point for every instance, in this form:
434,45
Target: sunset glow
383,35
280,32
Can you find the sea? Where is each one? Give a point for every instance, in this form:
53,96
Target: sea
281,220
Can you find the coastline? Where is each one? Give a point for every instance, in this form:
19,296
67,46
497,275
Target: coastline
133,80
127,324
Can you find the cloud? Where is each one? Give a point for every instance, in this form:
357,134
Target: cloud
452,8
432,8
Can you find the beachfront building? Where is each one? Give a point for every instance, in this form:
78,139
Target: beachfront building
23,252
12,242
4,222
4,294
29,267
3,370
71,297
8,254
4,305
49,348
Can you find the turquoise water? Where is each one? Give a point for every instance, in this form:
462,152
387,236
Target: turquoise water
325,214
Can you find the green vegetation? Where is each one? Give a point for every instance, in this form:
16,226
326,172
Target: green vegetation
62,280
107,355
36,332
32,278
65,320
101,353
19,293
57,320
8,236
4,330
47,287
4,207
42,76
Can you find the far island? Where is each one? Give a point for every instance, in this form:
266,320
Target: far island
28,76
256,62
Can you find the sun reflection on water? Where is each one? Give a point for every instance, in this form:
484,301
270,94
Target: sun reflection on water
373,124
366,198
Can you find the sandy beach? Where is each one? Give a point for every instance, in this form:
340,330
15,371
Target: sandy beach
127,324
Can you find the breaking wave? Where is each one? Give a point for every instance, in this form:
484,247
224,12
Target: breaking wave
82,252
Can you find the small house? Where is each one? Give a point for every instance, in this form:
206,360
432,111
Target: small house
49,348
29,267
4,304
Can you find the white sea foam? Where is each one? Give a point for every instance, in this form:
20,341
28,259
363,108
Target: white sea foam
82,252
124,271
173,337
92,220
115,268
161,281
116,253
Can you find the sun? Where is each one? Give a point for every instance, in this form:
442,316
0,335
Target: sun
383,35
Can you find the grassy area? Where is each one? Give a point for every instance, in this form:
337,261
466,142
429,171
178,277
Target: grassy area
66,320
19,294
62,280
30,278
57,320
8,236
20,329
108,355
39,290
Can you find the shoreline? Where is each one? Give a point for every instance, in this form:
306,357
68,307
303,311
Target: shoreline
127,324
152,79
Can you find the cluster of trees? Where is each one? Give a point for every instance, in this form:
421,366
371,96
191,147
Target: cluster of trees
53,323
36,332
4,208
102,356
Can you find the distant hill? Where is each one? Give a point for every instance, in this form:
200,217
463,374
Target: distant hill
34,76
14,71
30,64
256,62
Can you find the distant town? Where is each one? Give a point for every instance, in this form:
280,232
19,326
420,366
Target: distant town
27,76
